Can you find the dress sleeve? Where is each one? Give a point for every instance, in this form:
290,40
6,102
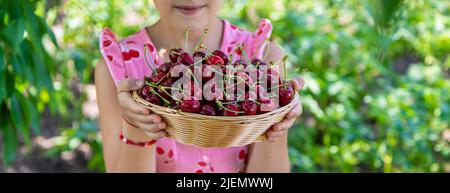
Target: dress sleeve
112,54
259,38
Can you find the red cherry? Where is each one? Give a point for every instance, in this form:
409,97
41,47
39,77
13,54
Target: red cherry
126,56
154,99
215,60
269,105
250,95
194,89
134,53
208,110
244,76
110,58
163,94
257,62
174,54
238,51
176,106
156,78
186,59
192,106
165,67
249,107
233,107
200,55
145,91
261,92
221,55
286,93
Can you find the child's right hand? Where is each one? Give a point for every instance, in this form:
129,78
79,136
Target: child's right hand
139,116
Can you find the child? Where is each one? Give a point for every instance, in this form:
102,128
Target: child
122,70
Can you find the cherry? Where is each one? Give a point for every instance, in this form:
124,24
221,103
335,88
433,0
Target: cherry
261,92
269,105
250,95
165,94
222,55
166,67
233,107
192,90
145,91
186,59
206,78
176,106
201,55
215,60
240,63
154,99
258,62
156,78
174,54
192,106
208,110
250,107
286,93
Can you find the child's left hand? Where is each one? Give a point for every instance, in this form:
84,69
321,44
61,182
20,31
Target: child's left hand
282,127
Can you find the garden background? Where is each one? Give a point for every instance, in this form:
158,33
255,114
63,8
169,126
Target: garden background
377,97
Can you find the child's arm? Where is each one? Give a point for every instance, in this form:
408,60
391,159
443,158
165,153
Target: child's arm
272,155
119,157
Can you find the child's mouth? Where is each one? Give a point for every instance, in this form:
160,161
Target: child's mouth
189,9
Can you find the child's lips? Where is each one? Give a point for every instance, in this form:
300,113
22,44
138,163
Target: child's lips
189,9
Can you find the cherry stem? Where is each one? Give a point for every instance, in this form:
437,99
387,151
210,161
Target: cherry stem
245,53
207,49
221,106
163,88
186,37
162,78
285,70
162,98
200,40
146,61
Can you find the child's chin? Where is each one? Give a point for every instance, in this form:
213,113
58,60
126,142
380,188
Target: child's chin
193,24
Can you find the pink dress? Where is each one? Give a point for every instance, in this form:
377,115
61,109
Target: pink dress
126,58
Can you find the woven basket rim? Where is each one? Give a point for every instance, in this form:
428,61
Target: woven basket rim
228,118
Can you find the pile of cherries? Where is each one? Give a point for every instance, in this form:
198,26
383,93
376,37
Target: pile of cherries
160,83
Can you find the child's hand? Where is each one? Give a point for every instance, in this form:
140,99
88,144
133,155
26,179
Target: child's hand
139,116
282,127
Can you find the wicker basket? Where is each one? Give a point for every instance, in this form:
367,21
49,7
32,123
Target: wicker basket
216,131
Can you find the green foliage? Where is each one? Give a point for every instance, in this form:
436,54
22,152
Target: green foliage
360,114
377,95
26,72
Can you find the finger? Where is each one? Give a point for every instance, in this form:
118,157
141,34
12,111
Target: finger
273,134
283,125
298,83
135,118
129,84
152,127
295,112
128,104
156,135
